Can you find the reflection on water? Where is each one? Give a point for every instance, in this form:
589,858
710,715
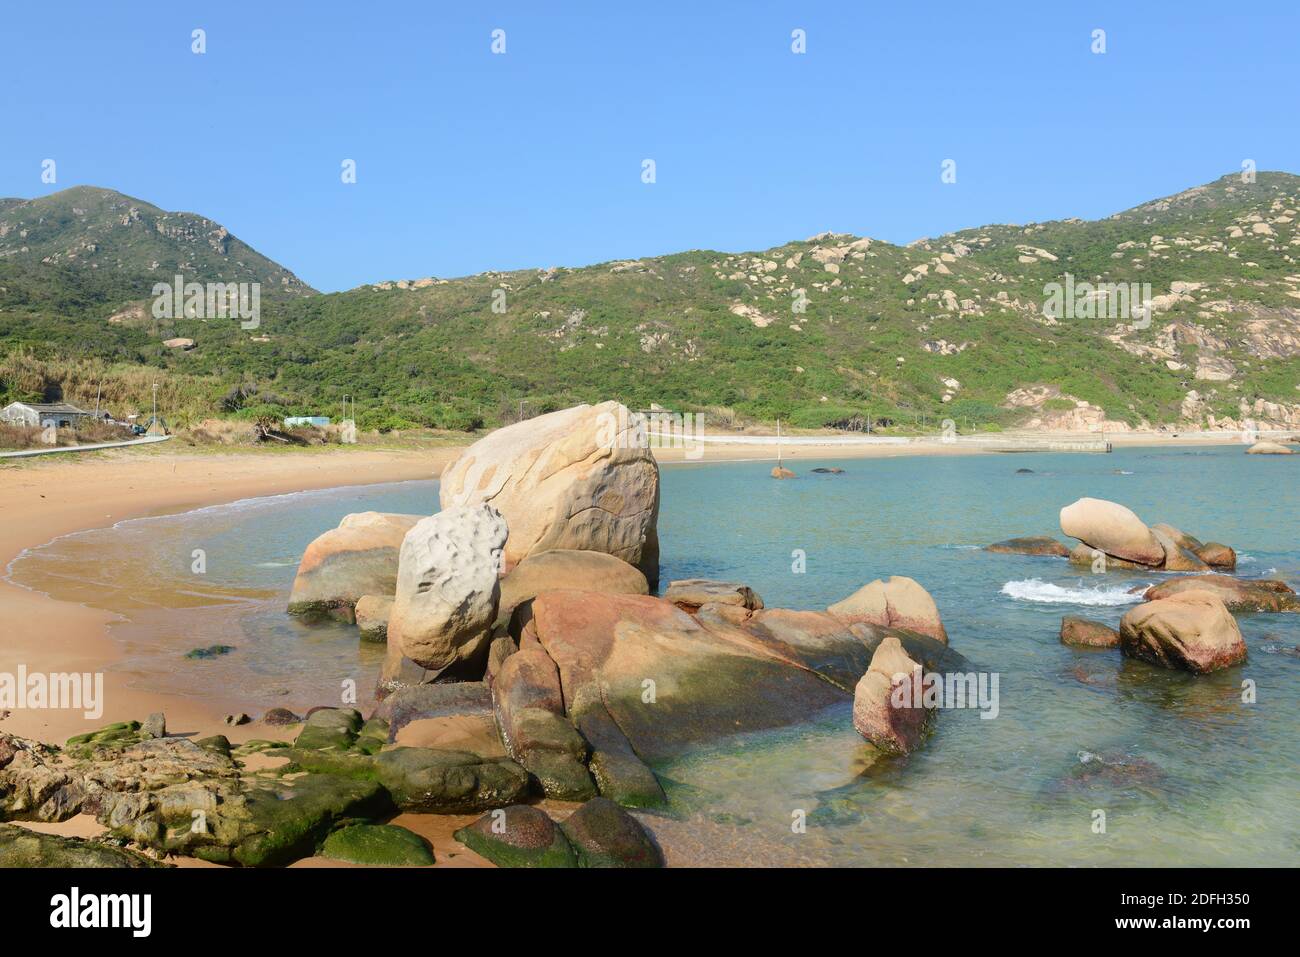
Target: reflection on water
1184,772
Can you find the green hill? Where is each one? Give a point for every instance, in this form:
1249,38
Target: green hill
947,327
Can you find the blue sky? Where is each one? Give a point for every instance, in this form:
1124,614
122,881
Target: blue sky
468,161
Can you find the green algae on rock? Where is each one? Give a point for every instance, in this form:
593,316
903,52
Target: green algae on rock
518,836
382,845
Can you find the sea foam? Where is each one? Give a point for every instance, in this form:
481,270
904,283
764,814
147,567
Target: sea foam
1035,589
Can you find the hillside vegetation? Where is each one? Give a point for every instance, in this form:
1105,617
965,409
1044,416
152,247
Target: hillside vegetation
830,331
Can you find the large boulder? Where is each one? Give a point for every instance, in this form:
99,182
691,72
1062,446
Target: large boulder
1030,545
896,602
582,478
1239,594
569,568
357,558
1192,630
1113,529
448,587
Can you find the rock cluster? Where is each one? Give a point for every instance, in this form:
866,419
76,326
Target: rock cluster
1112,536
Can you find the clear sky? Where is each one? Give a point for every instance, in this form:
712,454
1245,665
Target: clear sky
467,160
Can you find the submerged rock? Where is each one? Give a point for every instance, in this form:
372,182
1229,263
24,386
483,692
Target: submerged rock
518,836
212,651
346,563
780,472
383,845
1191,630
581,478
1031,545
1113,529
448,587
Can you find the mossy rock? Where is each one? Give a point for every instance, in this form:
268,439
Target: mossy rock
218,744
20,847
275,824
211,651
428,780
330,728
605,835
120,735
372,737
560,776
384,845
518,836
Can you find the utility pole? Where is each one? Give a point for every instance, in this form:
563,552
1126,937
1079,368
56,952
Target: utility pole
155,404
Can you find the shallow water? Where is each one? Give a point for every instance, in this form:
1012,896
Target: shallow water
1184,772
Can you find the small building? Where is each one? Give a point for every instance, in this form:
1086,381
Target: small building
61,415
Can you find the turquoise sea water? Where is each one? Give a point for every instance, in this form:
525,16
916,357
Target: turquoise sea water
1183,771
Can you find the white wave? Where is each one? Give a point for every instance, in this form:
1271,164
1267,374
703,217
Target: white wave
1037,590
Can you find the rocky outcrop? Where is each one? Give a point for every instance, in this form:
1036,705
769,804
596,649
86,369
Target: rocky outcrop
448,587
1113,529
357,558
1192,631
886,709
21,848
1085,633
1032,545
896,602
1269,448
1217,555
690,594
582,478
1238,594
1178,558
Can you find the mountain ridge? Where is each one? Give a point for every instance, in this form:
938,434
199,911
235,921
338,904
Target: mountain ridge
951,326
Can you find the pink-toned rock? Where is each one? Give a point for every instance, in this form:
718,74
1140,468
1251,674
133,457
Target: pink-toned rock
339,567
1085,633
886,703
896,602
1112,528
1239,594
1178,558
579,479
1217,555
1192,631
